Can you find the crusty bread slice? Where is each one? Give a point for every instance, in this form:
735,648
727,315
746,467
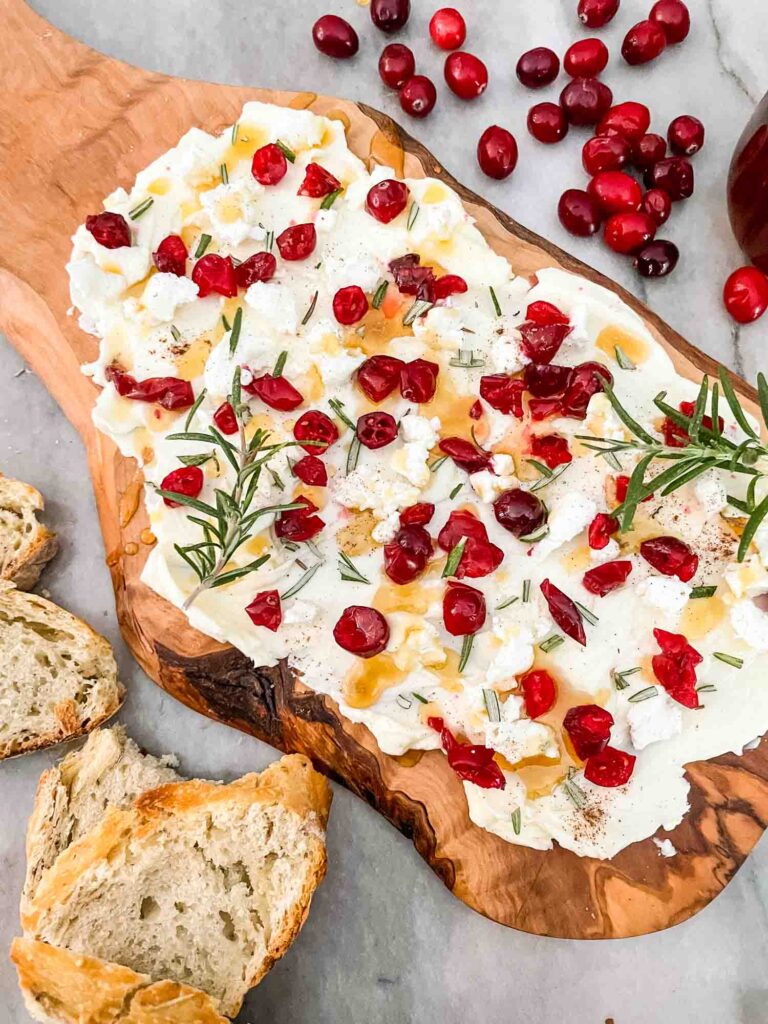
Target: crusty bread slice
57,677
197,882
73,796
26,546
60,987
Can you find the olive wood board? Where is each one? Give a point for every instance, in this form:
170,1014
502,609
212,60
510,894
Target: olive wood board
74,124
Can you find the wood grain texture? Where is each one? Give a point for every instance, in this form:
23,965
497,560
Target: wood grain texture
78,124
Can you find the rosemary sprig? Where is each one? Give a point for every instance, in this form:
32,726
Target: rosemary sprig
301,582
492,705
378,295
454,558
141,208
466,650
419,308
495,301
349,570
234,336
413,213
287,152
330,199
516,822
202,245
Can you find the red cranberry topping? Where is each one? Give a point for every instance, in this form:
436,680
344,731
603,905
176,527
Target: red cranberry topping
546,380
643,43
622,482
315,426
259,267
418,380
585,100
596,13
465,75
564,612
214,273
541,312
379,376
479,558
675,667
519,512
390,15
168,392
463,609
297,242
648,150
615,191
657,204
746,294
686,135
539,692
631,120
543,408
503,393
376,429
628,232
408,554
476,410
670,557
587,379
579,213
656,259
413,279
350,304
311,471
461,523
396,65
551,449
447,28
109,229
386,200
299,524
605,153
589,729
465,455
674,19
362,631
601,529
269,165
188,480
541,342
547,123
447,285
418,96
471,762
264,610
417,515
171,256
225,419
318,182
538,67
674,176
610,768
335,37
586,58
605,578
276,392
497,152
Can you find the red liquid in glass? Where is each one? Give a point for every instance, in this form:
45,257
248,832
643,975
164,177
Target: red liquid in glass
748,188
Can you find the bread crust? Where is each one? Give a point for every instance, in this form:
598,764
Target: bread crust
25,569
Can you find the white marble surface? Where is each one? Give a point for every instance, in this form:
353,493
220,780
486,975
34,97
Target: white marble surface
385,941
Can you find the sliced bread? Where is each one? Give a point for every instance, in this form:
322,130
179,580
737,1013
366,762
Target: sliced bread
57,677
26,546
203,884
60,987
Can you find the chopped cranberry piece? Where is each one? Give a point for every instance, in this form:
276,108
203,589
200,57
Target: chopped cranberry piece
109,229
376,429
675,667
503,393
541,342
188,480
225,419
465,455
297,242
601,530
418,96
609,153
476,410
335,37
447,28
551,449
386,200
299,524
379,376
630,120
643,43
214,273
539,692
544,313
259,267
463,609
311,471
585,100
519,512
606,577
276,392
362,631
407,555
465,75
418,380
622,485
269,165
589,729
479,558
587,57
497,152
449,284
546,380
417,515
676,436
264,610
350,304
648,150
587,379
670,557
471,762
412,279
318,182
396,65
461,523
543,408
170,257
315,426
610,768
564,612
169,392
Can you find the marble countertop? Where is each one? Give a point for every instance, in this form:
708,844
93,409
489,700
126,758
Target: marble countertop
385,940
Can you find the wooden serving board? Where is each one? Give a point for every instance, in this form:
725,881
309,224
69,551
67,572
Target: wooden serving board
73,125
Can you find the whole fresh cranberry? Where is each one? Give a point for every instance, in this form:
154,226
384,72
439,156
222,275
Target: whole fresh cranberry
259,267
629,119
538,67
335,37
674,176
746,294
386,200
628,232
586,58
547,123
648,150
378,376
585,100
674,19
418,96
187,481
396,65
350,304
297,242
447,28
269,165
390,15
686,135
463,609
362,631
109,229
171,256
519,512
596,13
657,204
497,152
579,213
643,43
656,259
465,75
605,153
615,191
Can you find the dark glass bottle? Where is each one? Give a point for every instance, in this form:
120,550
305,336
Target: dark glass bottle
748,188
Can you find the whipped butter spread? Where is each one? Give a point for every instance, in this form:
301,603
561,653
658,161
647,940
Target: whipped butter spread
153,323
